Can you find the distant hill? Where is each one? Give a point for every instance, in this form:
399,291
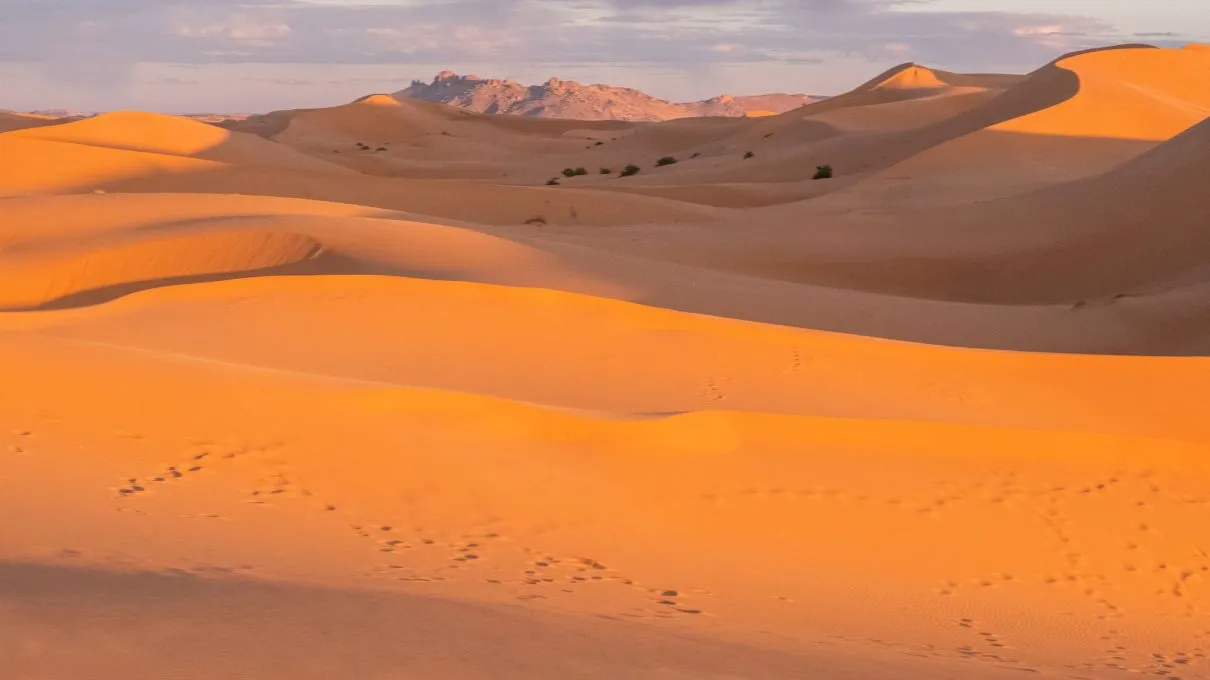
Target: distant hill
568,99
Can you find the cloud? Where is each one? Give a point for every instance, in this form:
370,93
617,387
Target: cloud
554,31
99,43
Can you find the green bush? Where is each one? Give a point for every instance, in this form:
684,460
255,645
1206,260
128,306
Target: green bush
666,160
581,171
569,172
606,171
630,170
823,172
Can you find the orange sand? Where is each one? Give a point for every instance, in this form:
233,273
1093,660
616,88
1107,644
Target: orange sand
278,406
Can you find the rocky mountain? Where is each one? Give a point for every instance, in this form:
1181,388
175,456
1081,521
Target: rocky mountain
568,99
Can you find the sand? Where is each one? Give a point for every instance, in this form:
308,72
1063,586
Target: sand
278,406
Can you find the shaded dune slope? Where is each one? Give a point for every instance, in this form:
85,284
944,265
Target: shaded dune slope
1135,230
21,121
720,275
1124,250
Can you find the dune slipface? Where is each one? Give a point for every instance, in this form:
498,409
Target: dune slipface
353,393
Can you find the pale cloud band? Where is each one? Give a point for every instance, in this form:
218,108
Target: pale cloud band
94,42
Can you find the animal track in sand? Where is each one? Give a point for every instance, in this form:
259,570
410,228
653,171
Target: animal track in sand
713,392
191,464
987,646
417,555
20,446
1116,545
796,362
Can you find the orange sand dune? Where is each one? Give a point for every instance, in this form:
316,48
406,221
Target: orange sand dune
1076,117
176,136
746,362
1126,101
280,405
31,166
732,523
1148,94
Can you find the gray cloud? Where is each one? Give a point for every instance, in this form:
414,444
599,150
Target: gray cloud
100,43
660,31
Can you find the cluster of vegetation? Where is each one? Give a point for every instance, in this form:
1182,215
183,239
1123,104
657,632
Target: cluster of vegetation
821,171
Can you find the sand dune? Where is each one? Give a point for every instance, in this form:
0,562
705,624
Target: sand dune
1121,249
349,392
503,466
176,136
978,136
1126,100
1135,230
20,121
722,275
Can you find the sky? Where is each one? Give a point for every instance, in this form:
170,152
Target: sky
199,56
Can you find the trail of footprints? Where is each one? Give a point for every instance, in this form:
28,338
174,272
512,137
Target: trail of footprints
531,574
1052,506
198,462
22,435
542,576
433,558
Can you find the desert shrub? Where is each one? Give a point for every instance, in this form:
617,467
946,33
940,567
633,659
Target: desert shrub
599,143
606,171
823,172
666,160
581,171
536,219
629,170
382,148
552,182
696,154
748,155
569,172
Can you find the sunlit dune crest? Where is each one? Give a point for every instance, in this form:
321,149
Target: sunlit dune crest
905,383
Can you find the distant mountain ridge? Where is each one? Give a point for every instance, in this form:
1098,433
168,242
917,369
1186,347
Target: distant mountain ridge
568,99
